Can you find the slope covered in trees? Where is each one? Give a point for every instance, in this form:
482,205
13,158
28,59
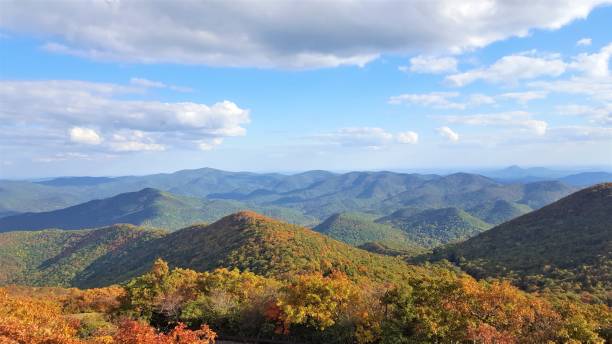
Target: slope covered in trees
58,258
247,241
564,246
434,227
357,229
244,240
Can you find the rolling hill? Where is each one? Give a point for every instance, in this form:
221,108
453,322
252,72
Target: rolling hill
434,227
244,240
147,207
357,229
567,245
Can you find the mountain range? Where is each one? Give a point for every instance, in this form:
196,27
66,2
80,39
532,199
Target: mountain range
305,198
244,240
147,207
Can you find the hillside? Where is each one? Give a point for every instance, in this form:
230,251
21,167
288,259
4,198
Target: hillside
357,229
567,244
244,240
148,207
58,258
434,227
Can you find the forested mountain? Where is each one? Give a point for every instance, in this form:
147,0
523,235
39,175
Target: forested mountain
58,258
566,245
357,229
434,227
244,240
148,207
316,194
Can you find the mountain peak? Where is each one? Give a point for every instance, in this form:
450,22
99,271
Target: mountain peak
242,218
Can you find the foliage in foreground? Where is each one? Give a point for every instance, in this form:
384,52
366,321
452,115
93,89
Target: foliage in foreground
183,306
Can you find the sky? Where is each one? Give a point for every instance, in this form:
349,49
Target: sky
137,87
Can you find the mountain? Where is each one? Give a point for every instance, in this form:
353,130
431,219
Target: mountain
357,229
515,172
245,240
145,207
496,212
434,227
58,258
587,178
148,207
76,181
567,244
313,194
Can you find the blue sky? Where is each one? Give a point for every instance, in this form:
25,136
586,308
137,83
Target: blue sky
119,88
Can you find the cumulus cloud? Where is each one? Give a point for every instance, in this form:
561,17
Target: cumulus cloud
46,108
407,137
594,65
585,42
511,69
518,119
448,133
368,137
286,34
431,65
84,135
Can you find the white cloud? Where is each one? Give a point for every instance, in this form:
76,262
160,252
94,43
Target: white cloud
478,99
210,144
524,97
448,133
511,69
596,88
146,83
368,137
596,114
435,99
39,109
519,119
594,65
431,65
84,135
407,137
134,141
584,42
287,34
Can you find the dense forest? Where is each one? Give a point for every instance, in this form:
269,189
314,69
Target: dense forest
542,277
164,305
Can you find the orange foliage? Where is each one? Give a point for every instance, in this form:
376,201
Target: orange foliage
26,320
134,332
